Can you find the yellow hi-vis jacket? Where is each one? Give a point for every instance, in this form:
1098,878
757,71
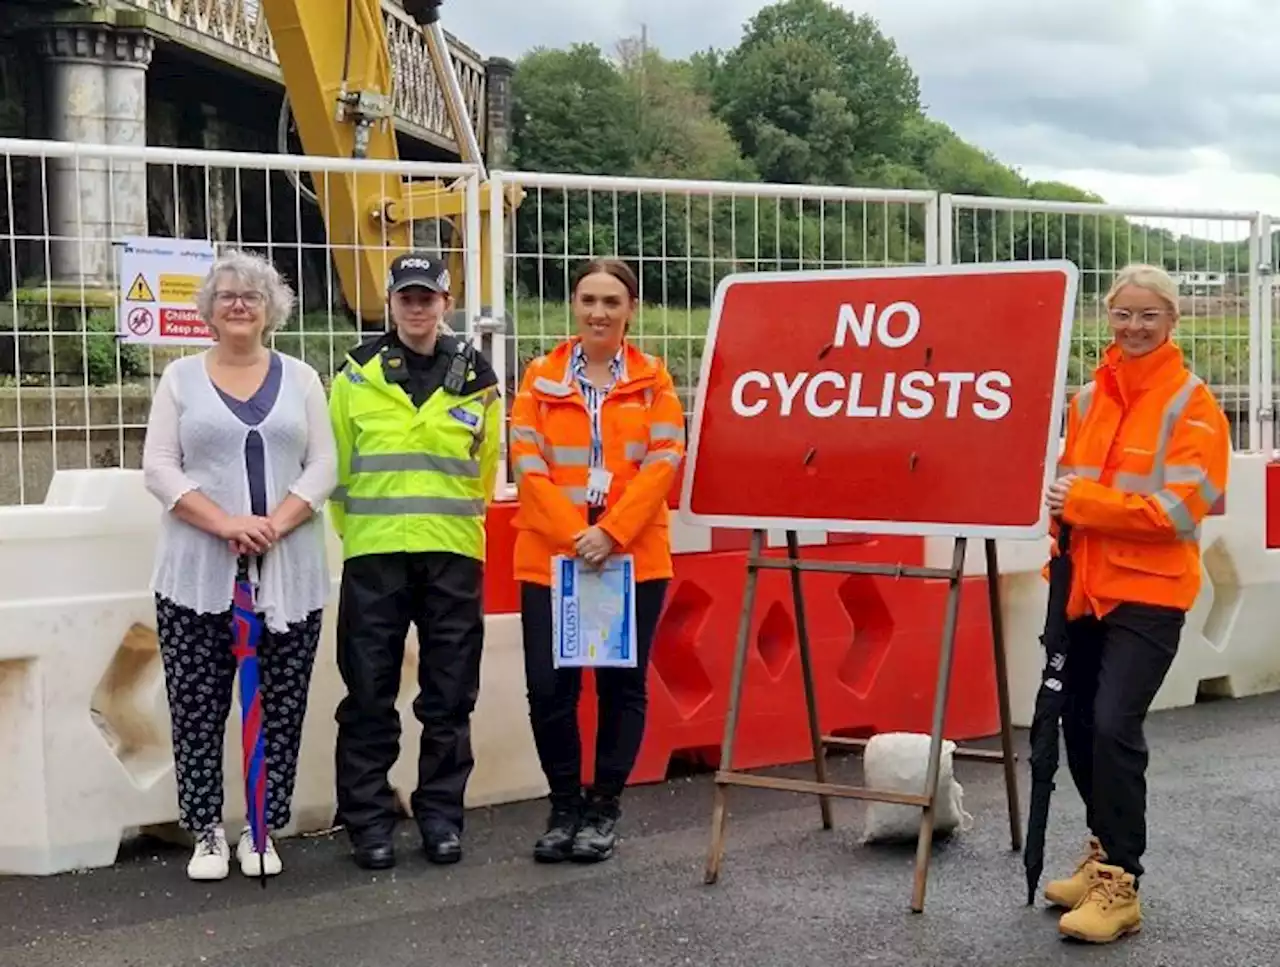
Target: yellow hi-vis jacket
413,479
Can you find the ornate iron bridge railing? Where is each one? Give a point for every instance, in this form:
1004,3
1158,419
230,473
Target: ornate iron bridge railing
419,101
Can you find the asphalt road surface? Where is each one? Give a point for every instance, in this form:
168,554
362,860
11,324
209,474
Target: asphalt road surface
789,894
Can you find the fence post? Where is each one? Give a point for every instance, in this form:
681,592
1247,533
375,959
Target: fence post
945,229
497,272
471,258
504,334
931,231
1261,396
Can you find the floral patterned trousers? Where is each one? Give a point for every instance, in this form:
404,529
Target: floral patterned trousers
200,672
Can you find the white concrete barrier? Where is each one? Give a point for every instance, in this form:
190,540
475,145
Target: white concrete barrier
1230,647
85,747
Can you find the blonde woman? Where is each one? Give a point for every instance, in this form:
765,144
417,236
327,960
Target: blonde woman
240,453
1147,455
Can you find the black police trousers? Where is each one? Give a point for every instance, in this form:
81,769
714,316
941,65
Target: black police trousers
621,695
442,595
1115,667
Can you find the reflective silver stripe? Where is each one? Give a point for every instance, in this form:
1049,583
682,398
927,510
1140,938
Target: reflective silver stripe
634,451
530,463
577,495
1172,413
1176,508
489,396
397,506
1138,483
1184,473
544,385
527,434
670,432
1087,473
570,456
661,456
1154,482
1135,483
339,494
1084,399
392,462
1187,473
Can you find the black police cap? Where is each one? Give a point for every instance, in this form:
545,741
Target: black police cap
418,269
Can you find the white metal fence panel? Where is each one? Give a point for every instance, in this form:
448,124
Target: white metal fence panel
1268,262
72,395
1212,255
681,238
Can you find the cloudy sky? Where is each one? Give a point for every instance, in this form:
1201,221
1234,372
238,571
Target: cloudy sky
1147,102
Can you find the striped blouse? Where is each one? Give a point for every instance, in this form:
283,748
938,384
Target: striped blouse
594,397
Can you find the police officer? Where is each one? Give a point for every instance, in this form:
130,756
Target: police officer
417,417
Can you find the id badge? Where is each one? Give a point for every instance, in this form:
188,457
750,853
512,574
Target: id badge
598,482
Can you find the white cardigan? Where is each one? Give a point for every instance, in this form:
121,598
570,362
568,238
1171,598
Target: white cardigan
195,442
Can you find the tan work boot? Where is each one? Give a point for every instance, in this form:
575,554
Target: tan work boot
1069,892
1108,912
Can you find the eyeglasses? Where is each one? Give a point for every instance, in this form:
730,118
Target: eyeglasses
251,299
1148,318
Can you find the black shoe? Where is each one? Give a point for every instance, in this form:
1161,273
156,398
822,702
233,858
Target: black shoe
556,843
374,855
597,835
442,844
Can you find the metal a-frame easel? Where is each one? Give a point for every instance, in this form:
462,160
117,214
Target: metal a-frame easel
822,788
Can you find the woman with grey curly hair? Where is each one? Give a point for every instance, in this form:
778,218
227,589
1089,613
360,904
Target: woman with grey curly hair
241,454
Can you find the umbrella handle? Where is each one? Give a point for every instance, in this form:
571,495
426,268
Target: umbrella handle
246,564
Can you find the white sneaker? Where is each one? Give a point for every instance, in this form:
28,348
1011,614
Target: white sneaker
211,858
250,863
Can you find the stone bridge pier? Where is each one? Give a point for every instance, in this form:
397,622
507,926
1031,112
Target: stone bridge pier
95,79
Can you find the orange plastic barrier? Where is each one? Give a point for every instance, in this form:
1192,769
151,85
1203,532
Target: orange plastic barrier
501,596
876,643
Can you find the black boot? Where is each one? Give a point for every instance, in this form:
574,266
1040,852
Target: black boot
556,843
597,836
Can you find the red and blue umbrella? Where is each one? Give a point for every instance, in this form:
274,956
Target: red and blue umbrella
248,633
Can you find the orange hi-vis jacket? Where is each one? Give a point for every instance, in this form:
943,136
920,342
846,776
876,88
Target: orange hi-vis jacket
1152,450
643,437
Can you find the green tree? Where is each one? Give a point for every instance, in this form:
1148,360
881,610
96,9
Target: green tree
676,133
566,108
641,115
814,93
953,164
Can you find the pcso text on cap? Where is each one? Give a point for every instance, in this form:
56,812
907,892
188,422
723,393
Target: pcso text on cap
417,269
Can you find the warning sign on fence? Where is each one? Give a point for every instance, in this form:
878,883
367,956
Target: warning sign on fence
160,278
912,400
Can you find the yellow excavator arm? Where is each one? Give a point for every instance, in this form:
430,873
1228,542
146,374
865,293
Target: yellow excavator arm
338,81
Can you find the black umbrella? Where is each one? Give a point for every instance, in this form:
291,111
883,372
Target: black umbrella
1048,714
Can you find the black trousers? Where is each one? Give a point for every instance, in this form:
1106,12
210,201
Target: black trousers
442,595
200,671
622,699
1116,666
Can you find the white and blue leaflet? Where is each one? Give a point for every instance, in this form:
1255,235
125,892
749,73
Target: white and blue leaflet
593,613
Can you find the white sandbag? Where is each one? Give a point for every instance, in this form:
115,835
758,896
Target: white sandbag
899,762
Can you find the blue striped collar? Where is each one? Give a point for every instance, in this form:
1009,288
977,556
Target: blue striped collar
579,363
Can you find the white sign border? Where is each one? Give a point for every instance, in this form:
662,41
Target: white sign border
157,305
970,529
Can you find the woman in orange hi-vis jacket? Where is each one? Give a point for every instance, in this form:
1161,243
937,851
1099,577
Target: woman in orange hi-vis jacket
1146,457
597,438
